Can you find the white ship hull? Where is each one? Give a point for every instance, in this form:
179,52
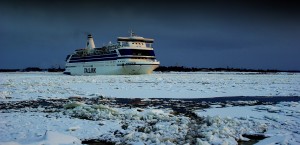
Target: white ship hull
111,68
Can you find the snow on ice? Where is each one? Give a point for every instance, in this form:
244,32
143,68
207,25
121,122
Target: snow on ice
122,125
281,121
26,86
78,121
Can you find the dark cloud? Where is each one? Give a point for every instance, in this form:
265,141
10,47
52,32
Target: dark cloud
248,34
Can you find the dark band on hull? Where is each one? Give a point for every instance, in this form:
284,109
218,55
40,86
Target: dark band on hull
91,60
94,56
107,59
135,40
67,73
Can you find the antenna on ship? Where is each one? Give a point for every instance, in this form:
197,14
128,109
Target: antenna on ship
132,34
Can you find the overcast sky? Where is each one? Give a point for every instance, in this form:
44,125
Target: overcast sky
240,34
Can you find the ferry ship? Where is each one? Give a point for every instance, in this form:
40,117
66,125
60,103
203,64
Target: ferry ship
132,55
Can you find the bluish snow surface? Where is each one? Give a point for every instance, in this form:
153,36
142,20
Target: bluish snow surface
28,86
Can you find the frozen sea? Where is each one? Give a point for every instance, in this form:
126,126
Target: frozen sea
24,86
216,124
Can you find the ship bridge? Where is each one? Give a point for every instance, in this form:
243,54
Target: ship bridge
135,41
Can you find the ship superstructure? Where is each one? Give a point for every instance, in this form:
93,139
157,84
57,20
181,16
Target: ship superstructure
129,56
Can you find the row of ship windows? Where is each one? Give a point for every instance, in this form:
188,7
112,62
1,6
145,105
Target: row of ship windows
126,44
138,43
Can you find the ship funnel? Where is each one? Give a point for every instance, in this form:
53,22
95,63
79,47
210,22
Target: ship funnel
90,42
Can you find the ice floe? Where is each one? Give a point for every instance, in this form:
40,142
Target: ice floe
126,125
281,121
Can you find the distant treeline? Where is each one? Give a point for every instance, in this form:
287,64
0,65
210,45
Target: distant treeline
160,69
193,69
36,69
